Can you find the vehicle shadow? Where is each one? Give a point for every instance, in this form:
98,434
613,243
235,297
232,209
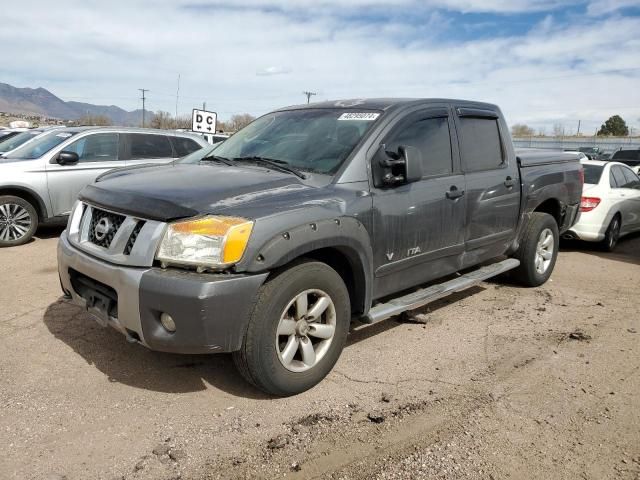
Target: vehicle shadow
627,250
49,231
136,366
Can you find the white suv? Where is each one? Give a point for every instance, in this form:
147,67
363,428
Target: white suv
40,180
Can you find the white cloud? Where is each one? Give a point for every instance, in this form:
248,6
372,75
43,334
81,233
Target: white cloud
243,59
600,7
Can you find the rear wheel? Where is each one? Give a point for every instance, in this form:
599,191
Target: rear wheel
297,330
538,251
612,235
18,221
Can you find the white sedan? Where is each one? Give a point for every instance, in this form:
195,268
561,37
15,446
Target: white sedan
610,205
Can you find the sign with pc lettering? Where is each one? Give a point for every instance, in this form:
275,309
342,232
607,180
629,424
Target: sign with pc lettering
203,121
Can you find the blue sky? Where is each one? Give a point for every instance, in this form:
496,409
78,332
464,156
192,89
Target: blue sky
546,62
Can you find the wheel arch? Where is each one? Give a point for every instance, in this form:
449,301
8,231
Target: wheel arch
30,196
552,207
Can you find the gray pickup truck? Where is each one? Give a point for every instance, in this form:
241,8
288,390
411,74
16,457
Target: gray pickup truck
309,218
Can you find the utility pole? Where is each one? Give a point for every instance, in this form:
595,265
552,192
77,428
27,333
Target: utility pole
143,90
177,96
309,95
579,122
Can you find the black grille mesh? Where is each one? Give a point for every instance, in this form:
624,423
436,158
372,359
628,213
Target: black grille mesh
133,237
115,221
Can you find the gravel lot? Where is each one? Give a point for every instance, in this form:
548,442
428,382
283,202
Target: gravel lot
498,382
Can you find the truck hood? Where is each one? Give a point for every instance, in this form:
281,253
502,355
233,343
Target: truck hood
173,191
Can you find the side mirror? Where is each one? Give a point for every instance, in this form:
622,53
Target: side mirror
412,163
391,168
67,158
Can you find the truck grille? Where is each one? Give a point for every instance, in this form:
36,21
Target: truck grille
103,227
133,237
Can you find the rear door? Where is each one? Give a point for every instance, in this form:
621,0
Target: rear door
631,191
493,183
98,153
418,227
144,148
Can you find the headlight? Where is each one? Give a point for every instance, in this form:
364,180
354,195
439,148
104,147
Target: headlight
211,241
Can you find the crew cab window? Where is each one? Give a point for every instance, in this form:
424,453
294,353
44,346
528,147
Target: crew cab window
149,146
480,143
99,147
430,136
184,146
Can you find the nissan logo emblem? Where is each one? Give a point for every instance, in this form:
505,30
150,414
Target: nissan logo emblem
102,229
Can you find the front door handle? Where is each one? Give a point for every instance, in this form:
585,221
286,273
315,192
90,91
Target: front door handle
454,193
509,182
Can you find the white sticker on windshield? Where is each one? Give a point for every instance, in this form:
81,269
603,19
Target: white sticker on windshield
63,135
366,116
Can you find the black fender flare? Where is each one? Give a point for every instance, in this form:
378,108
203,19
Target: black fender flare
345,234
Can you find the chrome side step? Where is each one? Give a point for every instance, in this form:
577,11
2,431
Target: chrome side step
417,299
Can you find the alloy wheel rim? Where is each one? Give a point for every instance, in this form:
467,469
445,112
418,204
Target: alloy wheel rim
615,232
305,330
544,251
15,222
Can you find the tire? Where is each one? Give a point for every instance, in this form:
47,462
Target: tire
612,234
264,359
18,221
532,273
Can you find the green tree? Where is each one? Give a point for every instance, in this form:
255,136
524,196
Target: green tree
615,126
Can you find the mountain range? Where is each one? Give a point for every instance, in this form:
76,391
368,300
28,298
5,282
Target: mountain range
40,101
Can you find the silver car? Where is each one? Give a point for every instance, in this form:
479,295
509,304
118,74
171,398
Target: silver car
40,180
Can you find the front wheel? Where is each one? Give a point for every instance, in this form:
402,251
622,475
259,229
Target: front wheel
18,221
538,251
296,331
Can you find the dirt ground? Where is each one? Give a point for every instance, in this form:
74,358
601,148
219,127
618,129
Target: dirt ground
498,382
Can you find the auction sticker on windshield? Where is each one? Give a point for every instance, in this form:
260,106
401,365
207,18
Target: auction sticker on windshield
367,116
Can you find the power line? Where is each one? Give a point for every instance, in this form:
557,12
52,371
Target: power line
143,90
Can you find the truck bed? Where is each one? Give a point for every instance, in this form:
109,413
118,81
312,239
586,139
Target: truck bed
532,157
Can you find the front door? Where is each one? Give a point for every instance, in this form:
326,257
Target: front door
98,153
419,227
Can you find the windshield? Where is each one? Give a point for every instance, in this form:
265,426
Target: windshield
198,155
40,145
316,140
592,174
16,140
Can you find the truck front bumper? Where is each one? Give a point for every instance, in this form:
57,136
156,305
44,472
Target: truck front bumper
210,311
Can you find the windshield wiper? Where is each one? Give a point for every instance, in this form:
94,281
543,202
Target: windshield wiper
274,163
216,158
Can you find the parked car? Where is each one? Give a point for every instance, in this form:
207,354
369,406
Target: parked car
610,205
40,180
23,136
630,158
579,155
593,153
310,216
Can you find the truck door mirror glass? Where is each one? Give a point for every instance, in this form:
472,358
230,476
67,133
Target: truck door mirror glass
396,168
67,158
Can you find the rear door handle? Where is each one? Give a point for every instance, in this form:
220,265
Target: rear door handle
454,193
509,182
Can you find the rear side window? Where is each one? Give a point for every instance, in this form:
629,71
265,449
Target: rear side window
149,146
618,176
184,146
481,144
431,137
100,147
